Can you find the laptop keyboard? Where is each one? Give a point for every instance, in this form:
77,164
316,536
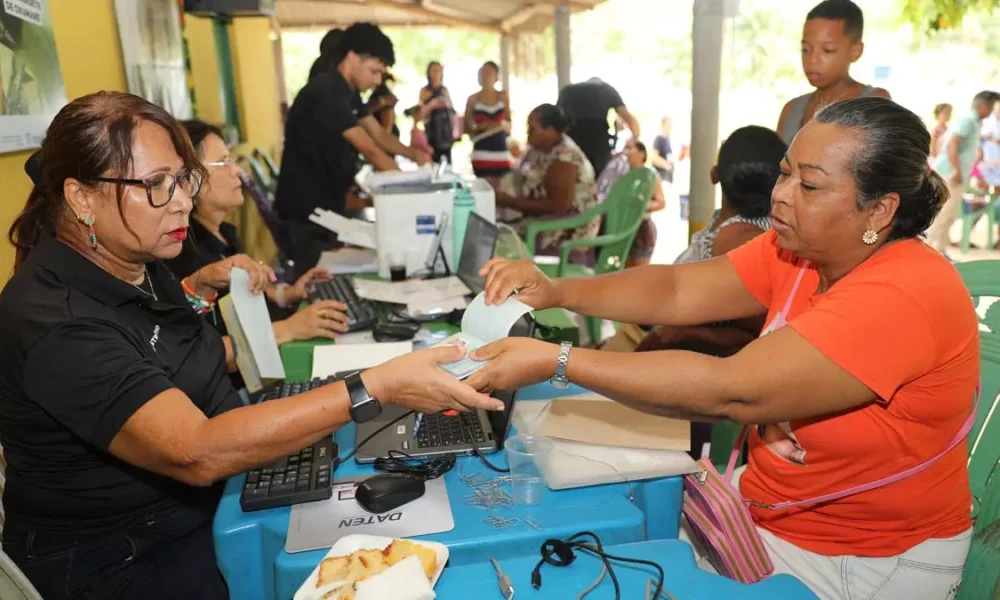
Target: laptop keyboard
361,312
437,430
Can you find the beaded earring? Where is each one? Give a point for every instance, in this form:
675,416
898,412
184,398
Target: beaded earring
89,222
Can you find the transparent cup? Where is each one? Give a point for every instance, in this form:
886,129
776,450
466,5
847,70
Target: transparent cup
525,452
397,266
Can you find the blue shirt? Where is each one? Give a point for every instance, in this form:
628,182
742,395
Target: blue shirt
967,129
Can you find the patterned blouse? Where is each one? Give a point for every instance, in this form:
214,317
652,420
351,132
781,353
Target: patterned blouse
527,180
702,242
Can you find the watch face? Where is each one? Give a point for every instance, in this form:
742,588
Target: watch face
366,411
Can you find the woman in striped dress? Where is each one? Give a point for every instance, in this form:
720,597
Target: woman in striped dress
487,121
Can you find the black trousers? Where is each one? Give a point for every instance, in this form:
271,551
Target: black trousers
165,555
305,241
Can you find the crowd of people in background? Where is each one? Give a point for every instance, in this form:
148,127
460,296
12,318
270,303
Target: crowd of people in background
132,398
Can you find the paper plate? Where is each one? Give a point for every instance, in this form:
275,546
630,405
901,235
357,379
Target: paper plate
352,543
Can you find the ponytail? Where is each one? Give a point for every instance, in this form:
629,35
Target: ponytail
28,226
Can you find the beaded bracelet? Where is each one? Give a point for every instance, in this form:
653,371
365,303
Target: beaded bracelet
201,304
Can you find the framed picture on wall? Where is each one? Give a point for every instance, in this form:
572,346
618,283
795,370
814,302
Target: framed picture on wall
31,84
153,50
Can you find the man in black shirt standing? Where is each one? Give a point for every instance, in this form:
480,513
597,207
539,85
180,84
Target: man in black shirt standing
588,104
328,126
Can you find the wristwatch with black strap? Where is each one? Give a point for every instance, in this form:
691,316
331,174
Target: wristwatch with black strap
363,407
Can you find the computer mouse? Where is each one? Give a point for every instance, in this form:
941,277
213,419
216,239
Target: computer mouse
388,491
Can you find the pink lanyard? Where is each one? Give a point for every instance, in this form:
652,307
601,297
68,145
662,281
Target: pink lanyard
780,320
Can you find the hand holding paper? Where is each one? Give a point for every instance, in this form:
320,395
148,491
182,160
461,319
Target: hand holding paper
482,325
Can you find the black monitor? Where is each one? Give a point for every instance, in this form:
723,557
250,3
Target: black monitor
477,249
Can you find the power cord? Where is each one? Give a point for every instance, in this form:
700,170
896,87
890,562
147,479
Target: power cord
562,553
426,469
475,448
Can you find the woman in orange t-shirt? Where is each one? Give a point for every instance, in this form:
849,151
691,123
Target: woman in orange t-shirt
875,373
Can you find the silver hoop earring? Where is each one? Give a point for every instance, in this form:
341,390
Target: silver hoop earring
869,237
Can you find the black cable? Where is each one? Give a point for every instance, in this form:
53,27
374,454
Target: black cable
560,553
475,449
358,445
422,468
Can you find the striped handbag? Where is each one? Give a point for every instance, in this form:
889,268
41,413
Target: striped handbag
720,520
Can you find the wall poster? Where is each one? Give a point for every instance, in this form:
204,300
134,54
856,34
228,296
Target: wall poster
31,84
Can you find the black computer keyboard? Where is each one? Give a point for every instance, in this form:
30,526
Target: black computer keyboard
360,311
304,476
440,430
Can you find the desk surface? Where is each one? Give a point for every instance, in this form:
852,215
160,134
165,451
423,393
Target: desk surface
250,546
682,578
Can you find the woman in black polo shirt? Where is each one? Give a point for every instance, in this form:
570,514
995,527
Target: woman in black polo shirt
212,248
118,420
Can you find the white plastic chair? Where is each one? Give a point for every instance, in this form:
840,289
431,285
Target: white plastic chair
13,584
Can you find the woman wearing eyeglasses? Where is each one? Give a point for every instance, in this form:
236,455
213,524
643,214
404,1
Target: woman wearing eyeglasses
118,421
212,249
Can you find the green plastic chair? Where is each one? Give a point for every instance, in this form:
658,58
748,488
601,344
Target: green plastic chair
622,212
265,159
260,176
971,213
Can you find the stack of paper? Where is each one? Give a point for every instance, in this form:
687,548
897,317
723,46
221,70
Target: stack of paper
349,231
349,260
414,291
249,325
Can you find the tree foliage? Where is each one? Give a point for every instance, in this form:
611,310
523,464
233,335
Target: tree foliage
936,15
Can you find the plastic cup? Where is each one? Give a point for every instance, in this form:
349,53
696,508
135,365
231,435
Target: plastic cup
524,453
397,266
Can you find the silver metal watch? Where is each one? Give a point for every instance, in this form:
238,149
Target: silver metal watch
559,380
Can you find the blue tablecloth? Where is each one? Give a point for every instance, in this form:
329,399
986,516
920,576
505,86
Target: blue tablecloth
683,580
250,547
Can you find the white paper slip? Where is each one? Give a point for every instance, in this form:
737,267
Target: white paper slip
349,231
349,260
334,358
482,325
247,318
418,310
415,291
383,178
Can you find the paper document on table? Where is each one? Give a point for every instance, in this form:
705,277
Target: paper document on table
349,231
249,325
577,464
335,358
349,260
482,325
415,291
383,178
421,310
595,419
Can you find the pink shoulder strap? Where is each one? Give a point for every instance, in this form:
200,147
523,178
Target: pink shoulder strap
745,430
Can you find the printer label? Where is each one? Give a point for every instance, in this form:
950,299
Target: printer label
426,224
372,520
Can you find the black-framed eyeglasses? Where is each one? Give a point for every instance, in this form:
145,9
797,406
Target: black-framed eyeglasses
160,188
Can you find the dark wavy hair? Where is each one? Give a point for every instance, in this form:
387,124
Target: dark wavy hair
199,130
367,40
90,137
748,168
891,157
550,115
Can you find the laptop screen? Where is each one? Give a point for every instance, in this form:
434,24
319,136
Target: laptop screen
477,248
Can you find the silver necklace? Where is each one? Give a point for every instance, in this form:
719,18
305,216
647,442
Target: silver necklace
147,279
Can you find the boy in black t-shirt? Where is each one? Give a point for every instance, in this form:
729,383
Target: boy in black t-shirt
328,127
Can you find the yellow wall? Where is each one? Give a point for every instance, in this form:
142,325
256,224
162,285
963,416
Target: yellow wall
204,68
260,120
256,85
91,60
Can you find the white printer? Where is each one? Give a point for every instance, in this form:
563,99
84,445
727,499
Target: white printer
408,216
